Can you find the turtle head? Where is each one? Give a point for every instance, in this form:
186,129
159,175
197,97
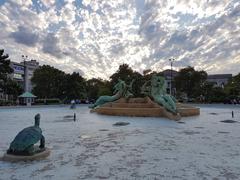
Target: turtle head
37,120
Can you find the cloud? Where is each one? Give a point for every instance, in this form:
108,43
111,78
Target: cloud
117,49
201,40
96,36
48,3
51,46
24,36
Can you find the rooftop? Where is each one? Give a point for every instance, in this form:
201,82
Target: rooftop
27,95
219,76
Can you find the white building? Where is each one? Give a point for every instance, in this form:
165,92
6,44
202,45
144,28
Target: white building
30,67
23,72
169,76
219,80
18,73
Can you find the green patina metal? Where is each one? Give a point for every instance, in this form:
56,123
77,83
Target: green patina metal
27,95
156,89
121,89
23,143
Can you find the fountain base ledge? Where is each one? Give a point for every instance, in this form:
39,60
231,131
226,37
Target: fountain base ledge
144,107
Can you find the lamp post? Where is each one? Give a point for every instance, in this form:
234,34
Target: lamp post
171,62
24,57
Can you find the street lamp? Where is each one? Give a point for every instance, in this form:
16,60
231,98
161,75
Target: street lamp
171,62
24,57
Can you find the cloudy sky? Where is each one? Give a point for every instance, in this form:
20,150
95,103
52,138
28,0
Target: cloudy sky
94,37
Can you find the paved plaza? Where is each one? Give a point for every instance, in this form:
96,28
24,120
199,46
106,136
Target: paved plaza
200,147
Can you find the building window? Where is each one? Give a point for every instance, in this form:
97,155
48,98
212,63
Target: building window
17,76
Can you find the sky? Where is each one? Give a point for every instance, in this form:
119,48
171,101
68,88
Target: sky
94,37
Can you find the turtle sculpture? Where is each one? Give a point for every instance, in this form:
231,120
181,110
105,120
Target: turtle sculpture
23,143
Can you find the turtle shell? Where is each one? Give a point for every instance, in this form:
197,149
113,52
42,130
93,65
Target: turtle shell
25,138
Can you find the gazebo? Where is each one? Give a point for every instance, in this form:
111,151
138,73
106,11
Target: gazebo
26,98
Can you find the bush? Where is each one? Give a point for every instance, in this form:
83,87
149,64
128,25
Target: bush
48,101
217,99
6,103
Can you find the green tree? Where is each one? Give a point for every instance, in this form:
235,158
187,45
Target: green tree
233,86
190,81
75,86
52,83
124,72
97,87
218,95
5,68
12,88
7,85
212,93
49,82
104,89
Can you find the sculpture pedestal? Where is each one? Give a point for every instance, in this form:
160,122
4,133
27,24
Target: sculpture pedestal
144,107
16,158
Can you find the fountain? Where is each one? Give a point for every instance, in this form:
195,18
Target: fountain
156,103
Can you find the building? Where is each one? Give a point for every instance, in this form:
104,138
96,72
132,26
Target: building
169,76
23,72
219,80
30,67
26,98
18,73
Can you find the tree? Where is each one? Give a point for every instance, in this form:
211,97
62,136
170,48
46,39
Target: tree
48,82
190,81
233,86
7,85
5,68
217,95
52,83
97,87
12,88
147,71
104,89
124,72
74,86
212,93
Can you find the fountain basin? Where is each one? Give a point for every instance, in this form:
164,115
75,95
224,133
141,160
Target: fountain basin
144,107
